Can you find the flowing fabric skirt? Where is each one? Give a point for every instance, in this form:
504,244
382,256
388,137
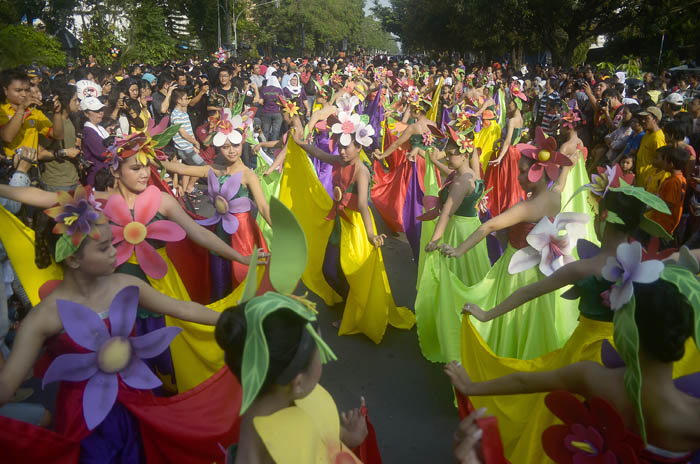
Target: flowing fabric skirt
537,327
502,179
369,306
485,140
438,312
580,203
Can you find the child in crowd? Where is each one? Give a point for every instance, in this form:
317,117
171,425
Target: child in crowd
633,141
185,143
627,165
673,189
550,120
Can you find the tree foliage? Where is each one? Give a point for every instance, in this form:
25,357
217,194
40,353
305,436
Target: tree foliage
99,38
148,40
22,45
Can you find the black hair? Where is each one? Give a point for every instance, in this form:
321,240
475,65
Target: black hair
178,94
676,130
164,79
611,93
630,209
283,331
678,157
65,93
8,77
664,319
104,180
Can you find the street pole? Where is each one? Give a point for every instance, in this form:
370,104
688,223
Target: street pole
218,23
661,50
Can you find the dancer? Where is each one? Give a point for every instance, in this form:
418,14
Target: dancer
437,321
502,172
515,337
653,317
358,262
98,416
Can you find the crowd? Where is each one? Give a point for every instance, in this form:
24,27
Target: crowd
150,197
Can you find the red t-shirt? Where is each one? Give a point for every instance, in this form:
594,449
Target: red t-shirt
672,191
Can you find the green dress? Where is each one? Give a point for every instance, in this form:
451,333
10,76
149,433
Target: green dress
580,203
437,310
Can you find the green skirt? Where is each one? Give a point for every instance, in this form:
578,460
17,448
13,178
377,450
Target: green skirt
535,328
438,312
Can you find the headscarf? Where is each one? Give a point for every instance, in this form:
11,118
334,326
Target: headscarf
272,81
295,90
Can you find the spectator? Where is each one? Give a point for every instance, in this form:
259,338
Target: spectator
21,119
94,150
611,108
653,140
550,120
627,164
671,106
186,144
161,98
257,77
271,117
295,91
673,189
226,94
550,94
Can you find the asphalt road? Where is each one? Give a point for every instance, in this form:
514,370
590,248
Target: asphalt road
410,400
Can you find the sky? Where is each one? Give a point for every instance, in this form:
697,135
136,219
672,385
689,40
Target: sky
370,3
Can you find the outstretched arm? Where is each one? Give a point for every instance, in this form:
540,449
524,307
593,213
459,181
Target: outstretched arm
198,234
253,184
29,195
187,170
405,136
566,275
315,151
363,205
435,157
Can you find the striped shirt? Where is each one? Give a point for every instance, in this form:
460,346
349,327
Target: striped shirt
182,118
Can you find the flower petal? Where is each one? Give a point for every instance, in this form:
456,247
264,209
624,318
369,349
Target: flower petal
229,223
612,270
240,205
117,234
150,261
620,295
629,255
534,174
552,171
345,139
231,186
122,311
648,271
117,210
153,343
214,219
74,367
82,324
213,184
540,138
99,397
523,259
147,204
124,251
167,231
138,375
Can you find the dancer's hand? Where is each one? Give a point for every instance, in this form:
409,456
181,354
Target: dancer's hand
449,251
353,426
496,161
431,246
255,148
378,154
377,240
263,258
476,311
467,442
483,204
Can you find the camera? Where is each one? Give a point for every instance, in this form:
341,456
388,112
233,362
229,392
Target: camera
605,102
47,104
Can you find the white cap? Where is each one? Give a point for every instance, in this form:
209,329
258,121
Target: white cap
91,103
674,98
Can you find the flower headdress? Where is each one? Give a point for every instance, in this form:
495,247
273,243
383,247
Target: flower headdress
465,122
623,271
347,103
287,264
289,107
347,126
145,145
611,179
230,128
463,139
571,115
547,158
517,94
76,217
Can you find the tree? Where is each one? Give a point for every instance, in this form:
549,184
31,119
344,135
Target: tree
148,41
99,38
22,45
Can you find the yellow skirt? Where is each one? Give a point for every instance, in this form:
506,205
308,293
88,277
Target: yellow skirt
485,140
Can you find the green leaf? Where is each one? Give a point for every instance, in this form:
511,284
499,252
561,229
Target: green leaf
251,281
613,218
642,195
687,284
164,137
364,118
654,229
288,248
256,358
626,337
65,247
576,192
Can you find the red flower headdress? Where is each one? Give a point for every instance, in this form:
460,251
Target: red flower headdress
547,158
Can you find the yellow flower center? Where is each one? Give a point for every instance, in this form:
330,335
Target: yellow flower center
221,205
70,219
135,233
544,155
114,355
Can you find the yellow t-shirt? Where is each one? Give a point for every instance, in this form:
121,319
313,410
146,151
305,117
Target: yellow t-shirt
35,123
651,142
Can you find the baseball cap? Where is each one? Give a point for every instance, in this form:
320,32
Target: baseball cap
674,98
149,77
91,103
652,110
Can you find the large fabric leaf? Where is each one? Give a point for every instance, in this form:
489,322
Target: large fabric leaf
164,137
626,337
251,280
642,195
288,248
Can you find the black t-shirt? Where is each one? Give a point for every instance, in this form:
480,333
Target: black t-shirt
224,98
157,101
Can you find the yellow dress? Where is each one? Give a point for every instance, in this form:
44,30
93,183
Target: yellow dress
485,139
195,353
369,306
306,433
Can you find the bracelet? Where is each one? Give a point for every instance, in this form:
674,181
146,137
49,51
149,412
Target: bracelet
28,160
